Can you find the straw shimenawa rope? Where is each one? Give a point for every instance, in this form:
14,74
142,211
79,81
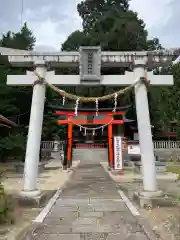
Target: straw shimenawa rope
90,99
70,96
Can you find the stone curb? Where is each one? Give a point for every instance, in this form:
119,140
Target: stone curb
26,231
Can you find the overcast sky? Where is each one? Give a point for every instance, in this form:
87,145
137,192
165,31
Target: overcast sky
52,21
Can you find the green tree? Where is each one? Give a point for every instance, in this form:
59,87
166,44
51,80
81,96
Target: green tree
112,25
93,11
165,101
173,103
15,101
75,40
154,44
51,129
21,40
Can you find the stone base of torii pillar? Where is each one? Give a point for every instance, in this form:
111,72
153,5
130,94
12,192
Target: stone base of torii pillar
33,198
149,199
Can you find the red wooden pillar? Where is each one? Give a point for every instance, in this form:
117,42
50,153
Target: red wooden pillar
110,144
70,128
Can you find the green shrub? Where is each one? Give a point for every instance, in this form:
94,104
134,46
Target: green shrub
4,205
12,145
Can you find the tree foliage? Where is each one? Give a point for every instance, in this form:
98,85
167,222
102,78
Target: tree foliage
113,26
15,102
21,40
93,11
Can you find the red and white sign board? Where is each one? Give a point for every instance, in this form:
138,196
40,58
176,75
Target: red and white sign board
118,159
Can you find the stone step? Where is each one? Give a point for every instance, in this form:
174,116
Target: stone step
90,155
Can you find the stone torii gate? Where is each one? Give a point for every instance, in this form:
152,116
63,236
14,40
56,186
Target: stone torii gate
89,60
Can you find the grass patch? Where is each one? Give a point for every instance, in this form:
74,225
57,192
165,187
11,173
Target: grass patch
176,199
173,169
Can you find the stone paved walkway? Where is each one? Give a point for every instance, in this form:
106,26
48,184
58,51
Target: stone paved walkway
89,208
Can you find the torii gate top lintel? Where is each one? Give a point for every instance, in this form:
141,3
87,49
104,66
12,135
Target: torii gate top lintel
90,61
108,58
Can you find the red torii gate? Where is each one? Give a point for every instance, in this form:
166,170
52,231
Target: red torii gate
109,120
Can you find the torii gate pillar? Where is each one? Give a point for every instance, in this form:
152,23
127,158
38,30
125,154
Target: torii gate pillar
144,129
34,135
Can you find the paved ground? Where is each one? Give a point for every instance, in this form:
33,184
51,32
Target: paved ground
89,208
